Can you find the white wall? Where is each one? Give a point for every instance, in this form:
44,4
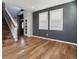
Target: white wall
28,17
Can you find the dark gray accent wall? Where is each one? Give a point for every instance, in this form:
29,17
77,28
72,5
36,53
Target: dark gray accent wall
69,32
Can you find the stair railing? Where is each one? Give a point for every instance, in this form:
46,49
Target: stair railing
13,25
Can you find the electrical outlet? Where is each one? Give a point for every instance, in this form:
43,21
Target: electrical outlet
46,34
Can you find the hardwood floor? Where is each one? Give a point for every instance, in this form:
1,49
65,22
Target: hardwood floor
36,48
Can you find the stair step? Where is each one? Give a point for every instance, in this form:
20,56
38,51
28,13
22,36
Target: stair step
4,38
8,42
6,33
4,26
6,30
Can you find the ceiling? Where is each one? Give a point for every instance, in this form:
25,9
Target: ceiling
34,5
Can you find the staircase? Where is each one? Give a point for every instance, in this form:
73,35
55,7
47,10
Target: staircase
9,27
6,34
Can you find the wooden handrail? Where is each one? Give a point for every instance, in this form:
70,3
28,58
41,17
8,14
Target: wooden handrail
12,20
8,20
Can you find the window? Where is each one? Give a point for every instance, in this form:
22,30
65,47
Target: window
43,21
56,19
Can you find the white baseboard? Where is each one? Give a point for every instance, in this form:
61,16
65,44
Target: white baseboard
54,40
27,35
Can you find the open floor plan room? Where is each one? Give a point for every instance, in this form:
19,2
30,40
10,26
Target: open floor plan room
39,29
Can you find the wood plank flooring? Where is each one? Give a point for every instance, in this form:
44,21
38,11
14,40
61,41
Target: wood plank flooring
36,48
